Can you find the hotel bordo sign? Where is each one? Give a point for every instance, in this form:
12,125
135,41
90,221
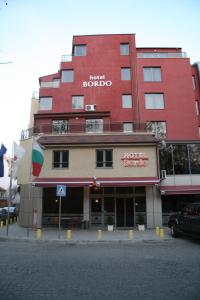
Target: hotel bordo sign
135,159
96,81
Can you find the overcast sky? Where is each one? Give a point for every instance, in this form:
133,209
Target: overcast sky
34,34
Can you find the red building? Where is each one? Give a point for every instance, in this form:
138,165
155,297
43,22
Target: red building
124,105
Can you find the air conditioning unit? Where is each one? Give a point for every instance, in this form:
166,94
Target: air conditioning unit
90,107
163,174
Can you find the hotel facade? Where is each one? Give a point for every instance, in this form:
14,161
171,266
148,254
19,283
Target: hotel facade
121,129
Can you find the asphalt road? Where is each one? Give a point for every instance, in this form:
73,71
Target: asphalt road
143,270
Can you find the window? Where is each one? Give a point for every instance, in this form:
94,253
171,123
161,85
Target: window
80,50
126,101
127,127
67,76
158,128
46,103
194,151
197,107
152,74
193,82
124,49
154,101
94,125
59,126
77,102
60,159
125,74
104,158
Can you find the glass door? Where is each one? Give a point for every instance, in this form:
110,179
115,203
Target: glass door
124,212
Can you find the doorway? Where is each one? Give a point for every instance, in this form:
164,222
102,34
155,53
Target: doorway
124,212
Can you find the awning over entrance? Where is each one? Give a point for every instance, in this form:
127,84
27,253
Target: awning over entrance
180,189
73,182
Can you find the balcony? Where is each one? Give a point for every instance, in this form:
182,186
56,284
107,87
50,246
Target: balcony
64,128
50,84
66,58
162,55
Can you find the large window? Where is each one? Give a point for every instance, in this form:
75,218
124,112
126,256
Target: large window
94,125
152,73
180,159
158,128
127,101
46,103
79,50
124,49
125,74
154,101
77,102
67,76
59,126
104,158
61,159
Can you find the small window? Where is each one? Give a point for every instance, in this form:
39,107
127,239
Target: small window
124,49
80,50
67,75
46,103
125,74
126,101
158,128
197,107
77,102
59,126
104,158
60,159
154,101
152,74
94,125
128,127
193,82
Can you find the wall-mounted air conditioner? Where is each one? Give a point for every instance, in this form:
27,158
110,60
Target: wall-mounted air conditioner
163,174
90,107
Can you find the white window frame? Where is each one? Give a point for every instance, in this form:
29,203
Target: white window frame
124,49
94,125
152,74
78,102
125,74
128,127
46,103
67,75
154,101
127,101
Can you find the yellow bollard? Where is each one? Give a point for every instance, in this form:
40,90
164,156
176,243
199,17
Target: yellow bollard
69,234
10,220
38,233
1,224
6,222
99,235
157,230
161,233
130,235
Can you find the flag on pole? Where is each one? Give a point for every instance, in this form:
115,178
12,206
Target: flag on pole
2,152
19,152
37,159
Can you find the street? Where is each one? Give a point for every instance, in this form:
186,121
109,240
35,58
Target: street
144,270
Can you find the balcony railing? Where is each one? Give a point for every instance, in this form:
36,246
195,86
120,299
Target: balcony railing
162,55
50,84
66,58
106,128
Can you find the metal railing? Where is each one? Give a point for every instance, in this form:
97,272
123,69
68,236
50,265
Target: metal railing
106,128
66,58
162,55
50,84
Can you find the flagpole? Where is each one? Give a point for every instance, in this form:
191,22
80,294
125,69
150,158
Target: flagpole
30,189
10,190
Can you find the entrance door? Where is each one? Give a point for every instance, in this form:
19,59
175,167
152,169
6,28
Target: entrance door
124,212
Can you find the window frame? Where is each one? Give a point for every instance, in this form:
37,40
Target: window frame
104,162
76,99
71,79
149,74
60,162
127,101
125,76
94,125
50,104
80,50
153,103
124,50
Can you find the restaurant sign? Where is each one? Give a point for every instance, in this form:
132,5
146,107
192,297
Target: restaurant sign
135,159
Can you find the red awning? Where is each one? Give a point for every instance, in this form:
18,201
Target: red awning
180,189
73,182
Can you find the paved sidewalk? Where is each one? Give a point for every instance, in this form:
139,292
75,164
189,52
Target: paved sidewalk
81,236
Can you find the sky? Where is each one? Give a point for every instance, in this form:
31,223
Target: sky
34,34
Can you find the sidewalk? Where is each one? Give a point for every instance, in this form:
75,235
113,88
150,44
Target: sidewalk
15,232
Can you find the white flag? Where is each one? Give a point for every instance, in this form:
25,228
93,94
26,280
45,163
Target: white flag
19,152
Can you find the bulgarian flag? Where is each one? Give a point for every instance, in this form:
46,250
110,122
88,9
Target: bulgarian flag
37,159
